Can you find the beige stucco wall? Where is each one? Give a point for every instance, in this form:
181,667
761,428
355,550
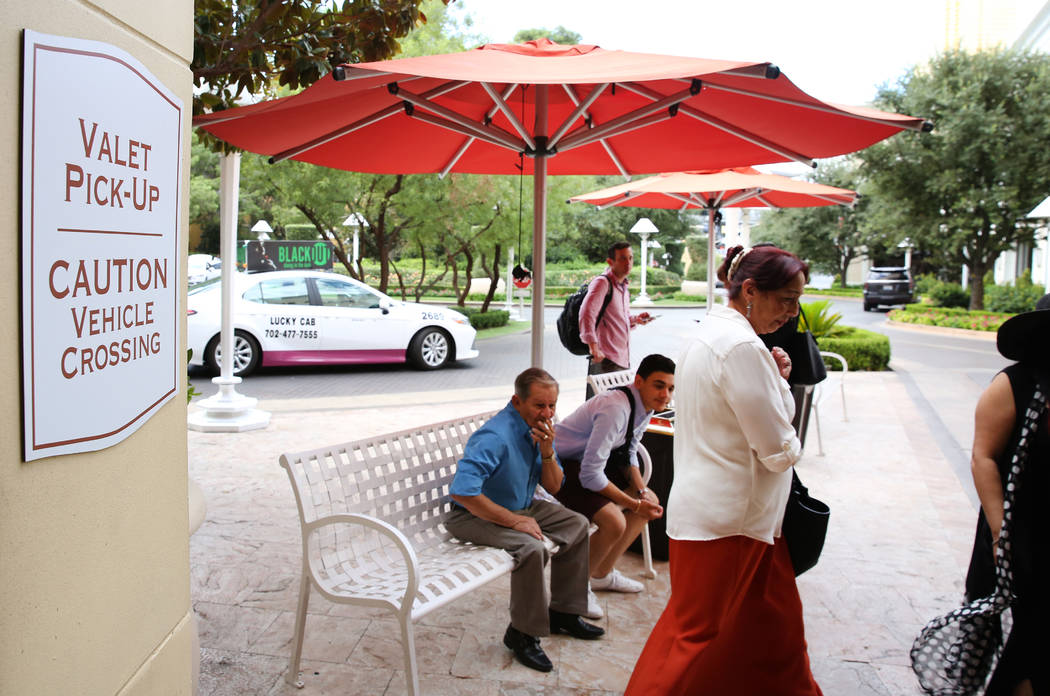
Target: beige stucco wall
94,565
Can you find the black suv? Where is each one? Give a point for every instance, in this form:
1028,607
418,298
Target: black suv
887,285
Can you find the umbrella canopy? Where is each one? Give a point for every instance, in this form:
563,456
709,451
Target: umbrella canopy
567,109
740,187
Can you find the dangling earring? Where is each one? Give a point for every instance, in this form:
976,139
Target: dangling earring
748,315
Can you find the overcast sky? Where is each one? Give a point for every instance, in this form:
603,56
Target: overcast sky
836,50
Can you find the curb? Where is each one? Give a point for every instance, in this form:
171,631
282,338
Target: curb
944,330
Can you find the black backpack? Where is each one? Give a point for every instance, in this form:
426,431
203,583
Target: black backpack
569,319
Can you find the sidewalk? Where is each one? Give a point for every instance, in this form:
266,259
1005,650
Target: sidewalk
895,557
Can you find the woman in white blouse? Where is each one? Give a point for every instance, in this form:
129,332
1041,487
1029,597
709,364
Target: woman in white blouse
733,624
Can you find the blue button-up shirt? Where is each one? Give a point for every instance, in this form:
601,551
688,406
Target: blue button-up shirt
500,461
598,427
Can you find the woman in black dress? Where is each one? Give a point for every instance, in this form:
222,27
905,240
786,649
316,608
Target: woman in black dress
1022,669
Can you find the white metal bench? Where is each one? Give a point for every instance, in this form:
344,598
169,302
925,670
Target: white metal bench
610,380
371,517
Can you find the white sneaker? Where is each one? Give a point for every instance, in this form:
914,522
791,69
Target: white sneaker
594,610
616,582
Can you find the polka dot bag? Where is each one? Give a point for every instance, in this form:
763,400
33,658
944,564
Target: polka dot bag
955,653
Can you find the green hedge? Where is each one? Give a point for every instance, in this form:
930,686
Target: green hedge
951,317
1016,298
560,292
948,295
578,276
862,349
837,291
485,320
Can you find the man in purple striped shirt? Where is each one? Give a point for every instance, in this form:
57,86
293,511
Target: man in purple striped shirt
610,338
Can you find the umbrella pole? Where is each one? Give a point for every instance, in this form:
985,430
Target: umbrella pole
710,257
228,411
539,226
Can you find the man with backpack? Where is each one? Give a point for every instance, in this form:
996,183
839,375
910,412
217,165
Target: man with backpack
597,445
605,318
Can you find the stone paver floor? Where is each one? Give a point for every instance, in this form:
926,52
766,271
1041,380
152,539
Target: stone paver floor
895,557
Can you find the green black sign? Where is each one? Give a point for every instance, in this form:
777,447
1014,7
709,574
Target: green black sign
280,255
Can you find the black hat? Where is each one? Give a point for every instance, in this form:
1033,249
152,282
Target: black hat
1026,337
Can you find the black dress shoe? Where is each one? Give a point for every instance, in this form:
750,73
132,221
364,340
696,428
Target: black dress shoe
527,650
574,626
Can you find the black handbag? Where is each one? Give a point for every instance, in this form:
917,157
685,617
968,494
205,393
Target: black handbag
805,526
807,365
956,653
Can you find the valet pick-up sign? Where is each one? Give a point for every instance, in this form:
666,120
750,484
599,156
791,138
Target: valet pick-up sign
101,158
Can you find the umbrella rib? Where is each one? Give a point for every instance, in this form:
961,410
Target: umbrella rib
500,104
615,159
767,203
835,199
581,107
455,158
627,122
361,123
750,137
470,140
698,200
815,107
571,91
472,131
722,125
489,133
681,197
623,199
742,195
338,133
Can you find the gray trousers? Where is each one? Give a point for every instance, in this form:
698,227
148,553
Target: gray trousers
529,598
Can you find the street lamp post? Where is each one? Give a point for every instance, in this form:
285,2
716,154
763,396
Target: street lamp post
356,222
644,227
262,230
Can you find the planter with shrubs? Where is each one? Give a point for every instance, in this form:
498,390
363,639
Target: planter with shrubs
484,320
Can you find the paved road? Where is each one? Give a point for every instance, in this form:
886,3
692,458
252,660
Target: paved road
944,374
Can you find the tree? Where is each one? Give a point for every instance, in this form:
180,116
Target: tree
204,196
829,238
250,47
560,35
965,188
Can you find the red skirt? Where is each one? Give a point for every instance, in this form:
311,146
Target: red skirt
733,625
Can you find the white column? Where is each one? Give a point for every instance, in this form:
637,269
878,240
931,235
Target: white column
228,411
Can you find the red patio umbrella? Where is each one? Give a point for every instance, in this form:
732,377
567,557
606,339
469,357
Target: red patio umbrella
568,109
712,190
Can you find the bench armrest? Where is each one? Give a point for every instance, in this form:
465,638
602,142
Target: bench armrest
385,529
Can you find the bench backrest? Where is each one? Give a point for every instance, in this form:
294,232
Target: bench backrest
401,478
609,380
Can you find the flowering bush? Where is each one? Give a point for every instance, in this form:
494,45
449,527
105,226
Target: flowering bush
949,317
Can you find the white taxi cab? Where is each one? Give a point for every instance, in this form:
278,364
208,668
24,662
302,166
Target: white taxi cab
314,318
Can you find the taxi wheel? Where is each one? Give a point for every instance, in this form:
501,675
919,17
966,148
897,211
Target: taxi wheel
430,349
246,354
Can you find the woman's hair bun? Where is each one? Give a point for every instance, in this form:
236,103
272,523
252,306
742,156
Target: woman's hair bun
723,270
